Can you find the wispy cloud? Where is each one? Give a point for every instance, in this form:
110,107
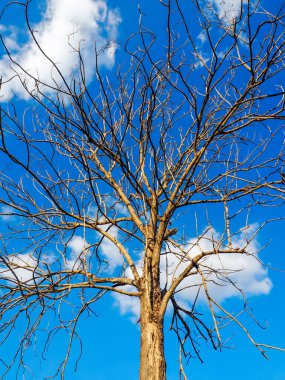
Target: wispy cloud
6,214
228,9
66,25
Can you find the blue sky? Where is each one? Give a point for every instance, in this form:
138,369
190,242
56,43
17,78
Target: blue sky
111,339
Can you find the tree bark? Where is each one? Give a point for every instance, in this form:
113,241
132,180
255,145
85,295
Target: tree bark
152,361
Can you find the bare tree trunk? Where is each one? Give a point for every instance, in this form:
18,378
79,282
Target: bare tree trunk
152,361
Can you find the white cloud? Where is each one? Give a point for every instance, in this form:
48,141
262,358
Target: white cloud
48,258
228,9
79,249
24,267
121,209
20,268
77,245
115,204
6,213
201,59
127,304
202,37
109,250
244,270
65,25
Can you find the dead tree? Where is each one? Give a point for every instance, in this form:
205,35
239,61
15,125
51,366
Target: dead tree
190,124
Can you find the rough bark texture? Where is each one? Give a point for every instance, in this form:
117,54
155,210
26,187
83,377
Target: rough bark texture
152,361
152,366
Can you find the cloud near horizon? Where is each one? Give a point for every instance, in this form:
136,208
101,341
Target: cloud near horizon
65,25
